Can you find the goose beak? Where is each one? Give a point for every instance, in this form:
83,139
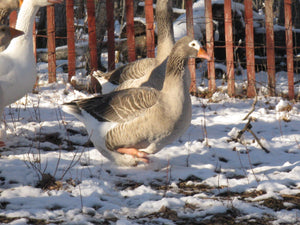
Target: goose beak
15,33
55,1
203,54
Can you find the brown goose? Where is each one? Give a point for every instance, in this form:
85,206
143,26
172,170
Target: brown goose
6,34
127,125
142,68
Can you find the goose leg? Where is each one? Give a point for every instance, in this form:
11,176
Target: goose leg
142,156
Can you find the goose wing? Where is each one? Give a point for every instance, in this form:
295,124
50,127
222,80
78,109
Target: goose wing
120,106
131,70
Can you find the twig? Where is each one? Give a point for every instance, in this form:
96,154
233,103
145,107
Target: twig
250,163
253,108
81,200
73,162
204,126
57,164
245,174
168,174
258,141
188,155
248,127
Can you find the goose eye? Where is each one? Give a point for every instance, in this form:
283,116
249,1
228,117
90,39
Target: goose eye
193,44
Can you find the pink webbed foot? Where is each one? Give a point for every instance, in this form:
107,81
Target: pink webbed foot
141,156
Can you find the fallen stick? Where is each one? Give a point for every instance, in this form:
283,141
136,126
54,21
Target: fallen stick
248,127
252,109
258,141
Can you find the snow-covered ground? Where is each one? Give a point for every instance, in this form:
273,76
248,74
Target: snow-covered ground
203,177
51,174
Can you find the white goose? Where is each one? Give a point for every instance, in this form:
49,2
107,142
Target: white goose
127,125
6,34
132,72
17,63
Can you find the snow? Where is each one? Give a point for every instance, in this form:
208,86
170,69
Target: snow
199,20
201,175
93,189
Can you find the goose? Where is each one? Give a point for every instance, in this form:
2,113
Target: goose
17,62
142,68
6,7
127,125
12,4
6,34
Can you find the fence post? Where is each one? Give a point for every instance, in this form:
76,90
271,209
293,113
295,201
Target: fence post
110,34
34,40
190,32
270,47
229,48
90,6
150,28
251,92
51,44
289,47
130,30
210,46
71,39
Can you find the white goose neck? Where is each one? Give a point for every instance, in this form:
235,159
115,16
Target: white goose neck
26,17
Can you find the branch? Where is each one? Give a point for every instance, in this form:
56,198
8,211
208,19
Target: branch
258,141
253,108
248,127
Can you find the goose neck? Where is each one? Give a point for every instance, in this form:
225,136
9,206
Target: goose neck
165,32
26,18
176,65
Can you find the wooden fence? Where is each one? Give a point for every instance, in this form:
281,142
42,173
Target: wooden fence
229,44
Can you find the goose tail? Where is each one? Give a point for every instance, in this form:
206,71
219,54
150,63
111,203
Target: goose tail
72,108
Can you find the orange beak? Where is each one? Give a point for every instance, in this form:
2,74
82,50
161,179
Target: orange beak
203,54
15,33
20,3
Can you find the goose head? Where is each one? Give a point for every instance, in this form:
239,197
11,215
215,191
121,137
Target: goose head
187,47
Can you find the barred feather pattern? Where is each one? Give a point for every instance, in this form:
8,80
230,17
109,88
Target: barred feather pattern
179,57
142,68
120,106
137,69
